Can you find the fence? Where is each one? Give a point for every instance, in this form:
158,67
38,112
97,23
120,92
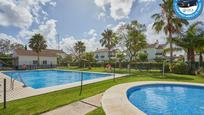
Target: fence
31,67
3,92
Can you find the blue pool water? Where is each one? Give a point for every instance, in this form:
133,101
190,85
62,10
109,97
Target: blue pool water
48,78
168,99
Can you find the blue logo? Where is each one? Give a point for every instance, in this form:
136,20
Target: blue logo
188,9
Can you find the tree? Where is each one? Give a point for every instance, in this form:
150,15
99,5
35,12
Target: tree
4,46
37,43
109,40
25,47
89,56
79,49
143,57
120,56
135,40
132,39
191,41
200,47
15,46
168,22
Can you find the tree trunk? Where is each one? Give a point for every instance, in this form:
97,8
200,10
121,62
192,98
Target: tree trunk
109,48
120,64
129,66
109,55
192,60
188,55
171,47
201,58
192,55
38,59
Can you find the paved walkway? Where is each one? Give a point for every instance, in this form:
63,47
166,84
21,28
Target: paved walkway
78,108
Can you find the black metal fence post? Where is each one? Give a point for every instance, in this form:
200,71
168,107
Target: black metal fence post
114,72
81,84
4,93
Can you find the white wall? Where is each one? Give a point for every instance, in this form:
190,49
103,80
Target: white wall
28,60
197,57
151,53
105,54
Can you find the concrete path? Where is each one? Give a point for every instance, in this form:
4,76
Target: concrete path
78,108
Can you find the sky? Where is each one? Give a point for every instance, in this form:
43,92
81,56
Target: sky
65,22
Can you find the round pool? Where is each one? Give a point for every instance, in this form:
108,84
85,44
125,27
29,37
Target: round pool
170,99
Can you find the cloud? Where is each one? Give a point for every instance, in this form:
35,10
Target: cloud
119,8
92,32
115,27
146,1
21,13
101,15
101,3
14,15
152,36
53,4
48,30
10,38
91,43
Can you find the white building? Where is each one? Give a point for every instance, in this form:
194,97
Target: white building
29,57
154,51
101,55
197,57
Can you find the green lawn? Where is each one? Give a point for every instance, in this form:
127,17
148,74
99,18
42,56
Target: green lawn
46,102
98,111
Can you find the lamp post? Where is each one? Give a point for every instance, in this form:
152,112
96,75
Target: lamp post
81,75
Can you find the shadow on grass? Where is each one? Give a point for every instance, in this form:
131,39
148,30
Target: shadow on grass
177,78
158,75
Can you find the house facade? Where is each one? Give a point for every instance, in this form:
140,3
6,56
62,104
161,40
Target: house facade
197,57
101,55
154,51
29,57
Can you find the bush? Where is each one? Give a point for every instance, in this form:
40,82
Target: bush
200,71
143,57
134,65
179,68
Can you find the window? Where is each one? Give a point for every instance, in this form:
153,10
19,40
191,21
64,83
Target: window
96,57
44,62
102,56
35,62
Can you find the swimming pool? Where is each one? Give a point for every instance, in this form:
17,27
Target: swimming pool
47,78
168,99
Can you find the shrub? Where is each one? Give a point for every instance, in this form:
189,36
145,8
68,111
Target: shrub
200,71
143,57
179,68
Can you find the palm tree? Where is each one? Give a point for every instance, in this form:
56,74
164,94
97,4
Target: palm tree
109,40
200,46
79,48
168,22
37,43
191,41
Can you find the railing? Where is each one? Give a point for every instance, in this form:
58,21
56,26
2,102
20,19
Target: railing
3,92
21,80
11,82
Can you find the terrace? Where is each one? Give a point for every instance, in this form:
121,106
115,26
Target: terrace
41,103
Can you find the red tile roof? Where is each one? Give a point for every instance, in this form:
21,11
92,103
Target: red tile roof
104,50
47,53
